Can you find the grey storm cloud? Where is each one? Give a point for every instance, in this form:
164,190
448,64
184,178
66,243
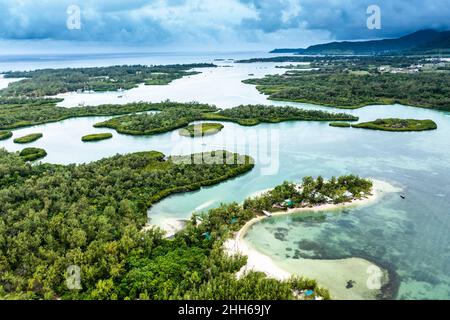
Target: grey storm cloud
171,21
101,20
347,19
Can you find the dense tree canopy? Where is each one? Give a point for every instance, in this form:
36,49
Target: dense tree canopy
311,192
354,82
91,215
35,111
152,123
248,115
47,82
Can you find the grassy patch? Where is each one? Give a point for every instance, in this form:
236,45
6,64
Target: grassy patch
97,137
201,129
340,124
32,154
394,124
5,135
29,138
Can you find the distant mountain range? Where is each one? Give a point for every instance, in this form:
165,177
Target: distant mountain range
420,42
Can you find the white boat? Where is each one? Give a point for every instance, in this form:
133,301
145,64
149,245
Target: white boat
267,213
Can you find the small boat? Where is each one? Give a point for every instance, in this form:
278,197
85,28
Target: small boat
403,197
267,213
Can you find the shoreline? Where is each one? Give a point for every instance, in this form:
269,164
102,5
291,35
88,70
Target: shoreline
331,274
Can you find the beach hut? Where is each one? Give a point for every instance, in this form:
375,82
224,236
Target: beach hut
348,194
234,220
288,203
207,235
309,293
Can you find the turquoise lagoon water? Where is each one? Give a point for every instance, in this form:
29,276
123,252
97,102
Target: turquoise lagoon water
408,237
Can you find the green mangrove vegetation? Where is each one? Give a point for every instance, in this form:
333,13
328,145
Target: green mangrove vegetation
340,124
48,82
96,137
343,62
4,135
249,115
201,129
354,82
29,138
394,124
311,192
91,216
346,90
174,117
32,154
38,111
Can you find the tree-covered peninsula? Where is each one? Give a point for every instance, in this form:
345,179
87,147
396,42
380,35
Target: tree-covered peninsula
251,115
354,82
39,111
246,115
90,216
48,82
311,192
173,117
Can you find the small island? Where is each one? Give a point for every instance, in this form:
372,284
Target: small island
394,124
96,137
309,197
311,193
201,129
32,154
29,138
5,135
340,124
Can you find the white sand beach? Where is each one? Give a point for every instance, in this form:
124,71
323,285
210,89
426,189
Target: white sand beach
331,274
170,226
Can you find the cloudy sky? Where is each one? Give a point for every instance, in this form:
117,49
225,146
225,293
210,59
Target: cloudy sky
208,24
